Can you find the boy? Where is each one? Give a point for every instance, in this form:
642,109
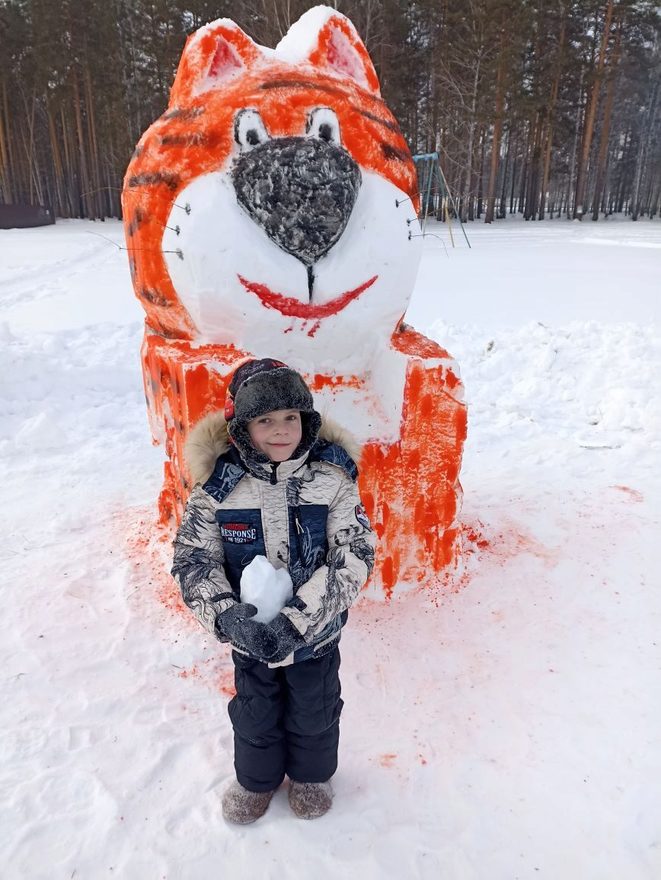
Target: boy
272,480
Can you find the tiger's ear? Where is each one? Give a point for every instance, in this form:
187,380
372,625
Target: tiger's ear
213,55
331,43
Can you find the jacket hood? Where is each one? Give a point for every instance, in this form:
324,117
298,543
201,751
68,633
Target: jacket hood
210,438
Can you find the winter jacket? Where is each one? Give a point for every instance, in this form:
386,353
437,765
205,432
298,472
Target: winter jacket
304,514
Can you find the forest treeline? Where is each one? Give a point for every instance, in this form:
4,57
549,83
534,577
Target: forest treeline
544,107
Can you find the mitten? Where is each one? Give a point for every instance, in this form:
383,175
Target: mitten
230,621
256,638
286,638
237,624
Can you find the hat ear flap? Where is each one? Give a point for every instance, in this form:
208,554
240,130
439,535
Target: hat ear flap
311,422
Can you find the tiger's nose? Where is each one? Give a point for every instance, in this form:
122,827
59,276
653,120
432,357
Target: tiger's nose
301,192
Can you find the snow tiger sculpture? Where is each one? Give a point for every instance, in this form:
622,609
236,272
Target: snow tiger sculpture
271,211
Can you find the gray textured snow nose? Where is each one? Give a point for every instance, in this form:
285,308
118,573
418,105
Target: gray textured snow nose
301,192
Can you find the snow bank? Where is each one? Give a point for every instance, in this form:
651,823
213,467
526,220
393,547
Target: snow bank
504,726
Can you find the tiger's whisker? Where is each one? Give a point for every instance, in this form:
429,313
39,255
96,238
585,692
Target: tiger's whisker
130,250
429,235
400,202
138,189
105,237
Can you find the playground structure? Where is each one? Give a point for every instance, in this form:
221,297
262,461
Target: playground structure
435,196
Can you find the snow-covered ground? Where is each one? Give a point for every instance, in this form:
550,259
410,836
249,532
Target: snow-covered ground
506,726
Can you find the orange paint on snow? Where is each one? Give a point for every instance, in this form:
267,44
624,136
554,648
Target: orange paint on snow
226,683
146,547
633,494
388,759
514,541
318,382
511,540
222,681
476,537
170,596
155,597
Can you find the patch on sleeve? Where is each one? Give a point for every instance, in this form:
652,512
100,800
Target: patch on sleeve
362,517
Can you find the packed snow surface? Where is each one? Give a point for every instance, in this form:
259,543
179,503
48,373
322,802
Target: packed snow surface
267,588
502,725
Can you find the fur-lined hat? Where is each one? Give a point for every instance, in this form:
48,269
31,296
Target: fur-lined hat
261,386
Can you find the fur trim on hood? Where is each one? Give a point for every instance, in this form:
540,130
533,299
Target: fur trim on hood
210,439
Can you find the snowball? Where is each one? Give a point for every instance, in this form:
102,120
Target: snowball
266,587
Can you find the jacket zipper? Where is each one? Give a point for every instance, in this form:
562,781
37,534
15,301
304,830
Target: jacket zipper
274,473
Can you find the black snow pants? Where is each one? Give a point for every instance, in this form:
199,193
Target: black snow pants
286,720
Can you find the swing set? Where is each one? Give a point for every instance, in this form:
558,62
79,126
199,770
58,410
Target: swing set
435,195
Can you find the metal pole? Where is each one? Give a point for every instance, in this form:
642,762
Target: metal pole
453,202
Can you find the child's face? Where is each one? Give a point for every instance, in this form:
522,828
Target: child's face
276,433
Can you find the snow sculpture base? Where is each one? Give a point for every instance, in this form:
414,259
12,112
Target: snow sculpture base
410,488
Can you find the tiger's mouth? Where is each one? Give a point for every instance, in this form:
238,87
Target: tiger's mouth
294,308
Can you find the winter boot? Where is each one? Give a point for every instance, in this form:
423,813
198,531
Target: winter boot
243,806
309,800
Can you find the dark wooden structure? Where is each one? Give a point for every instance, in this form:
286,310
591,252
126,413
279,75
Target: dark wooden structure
25,216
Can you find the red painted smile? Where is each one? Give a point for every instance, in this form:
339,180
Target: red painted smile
294,308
